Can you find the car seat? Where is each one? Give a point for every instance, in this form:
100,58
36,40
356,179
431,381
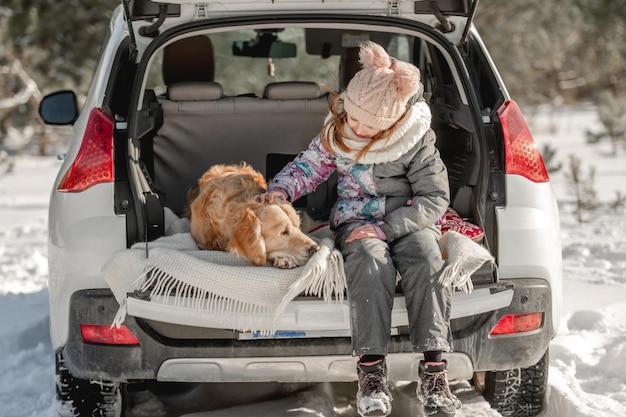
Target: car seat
189,59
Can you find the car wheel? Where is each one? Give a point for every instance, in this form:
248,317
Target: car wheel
518,392
83,397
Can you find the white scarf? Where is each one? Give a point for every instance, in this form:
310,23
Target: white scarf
410,131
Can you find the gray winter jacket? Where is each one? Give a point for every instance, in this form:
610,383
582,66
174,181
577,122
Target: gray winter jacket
402,190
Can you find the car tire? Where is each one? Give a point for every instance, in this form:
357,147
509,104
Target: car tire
518,392
77,397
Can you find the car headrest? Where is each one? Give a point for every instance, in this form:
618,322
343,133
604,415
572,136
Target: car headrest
292,90
189,59
195,91
348,66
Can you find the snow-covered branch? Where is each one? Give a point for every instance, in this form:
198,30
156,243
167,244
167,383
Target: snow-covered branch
30,90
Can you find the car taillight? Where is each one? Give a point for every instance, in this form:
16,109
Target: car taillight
517,323
522,156
108,335
94,162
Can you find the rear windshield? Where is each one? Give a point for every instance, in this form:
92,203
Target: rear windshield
325,56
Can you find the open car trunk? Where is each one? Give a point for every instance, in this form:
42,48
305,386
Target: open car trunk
186,123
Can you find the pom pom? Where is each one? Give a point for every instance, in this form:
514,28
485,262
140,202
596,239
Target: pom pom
372,55
406,76
407,79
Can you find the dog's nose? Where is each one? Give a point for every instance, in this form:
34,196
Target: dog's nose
313,249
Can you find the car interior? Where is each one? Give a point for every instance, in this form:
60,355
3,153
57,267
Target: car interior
207,104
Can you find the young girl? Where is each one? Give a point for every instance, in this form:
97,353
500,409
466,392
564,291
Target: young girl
392,189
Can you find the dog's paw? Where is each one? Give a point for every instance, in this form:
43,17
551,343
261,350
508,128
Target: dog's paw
284,263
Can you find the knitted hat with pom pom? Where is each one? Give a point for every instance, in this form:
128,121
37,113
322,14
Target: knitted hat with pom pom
378,94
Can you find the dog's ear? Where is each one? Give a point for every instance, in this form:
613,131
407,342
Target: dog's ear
247,240
192,194
291,213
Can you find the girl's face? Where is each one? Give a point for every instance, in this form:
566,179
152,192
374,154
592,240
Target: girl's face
361,129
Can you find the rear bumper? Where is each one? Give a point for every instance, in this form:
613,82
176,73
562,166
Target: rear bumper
171,352
329,368
503,352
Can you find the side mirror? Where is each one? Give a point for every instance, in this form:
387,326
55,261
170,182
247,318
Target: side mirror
59,108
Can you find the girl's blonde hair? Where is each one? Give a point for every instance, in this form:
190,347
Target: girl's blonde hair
332,131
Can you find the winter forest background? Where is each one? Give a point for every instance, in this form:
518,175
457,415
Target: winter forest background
563,61
551,52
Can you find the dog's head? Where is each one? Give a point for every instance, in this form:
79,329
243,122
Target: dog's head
271,232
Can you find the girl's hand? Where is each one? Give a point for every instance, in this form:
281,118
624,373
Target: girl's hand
362,232
271,197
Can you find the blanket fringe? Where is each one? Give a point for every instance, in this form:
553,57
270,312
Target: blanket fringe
120,316
321,279
226,312
456,277
463,257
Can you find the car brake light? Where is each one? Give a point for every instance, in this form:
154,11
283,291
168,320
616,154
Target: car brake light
107,335
94,162
522,156
517,323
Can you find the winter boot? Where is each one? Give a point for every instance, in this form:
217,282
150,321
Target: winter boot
434,392
373,399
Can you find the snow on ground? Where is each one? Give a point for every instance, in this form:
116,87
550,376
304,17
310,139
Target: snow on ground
587,373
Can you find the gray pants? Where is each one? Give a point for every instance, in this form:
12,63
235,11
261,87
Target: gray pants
371,267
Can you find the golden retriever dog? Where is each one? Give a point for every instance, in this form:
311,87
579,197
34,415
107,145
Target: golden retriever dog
226,216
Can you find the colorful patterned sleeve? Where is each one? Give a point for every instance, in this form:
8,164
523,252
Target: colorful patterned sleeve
309,169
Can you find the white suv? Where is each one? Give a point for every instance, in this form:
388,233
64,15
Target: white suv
181,86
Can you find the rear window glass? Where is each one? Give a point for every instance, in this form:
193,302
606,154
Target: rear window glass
319,54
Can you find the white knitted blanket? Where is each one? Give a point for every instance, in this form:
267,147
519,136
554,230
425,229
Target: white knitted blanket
463,257
230,293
